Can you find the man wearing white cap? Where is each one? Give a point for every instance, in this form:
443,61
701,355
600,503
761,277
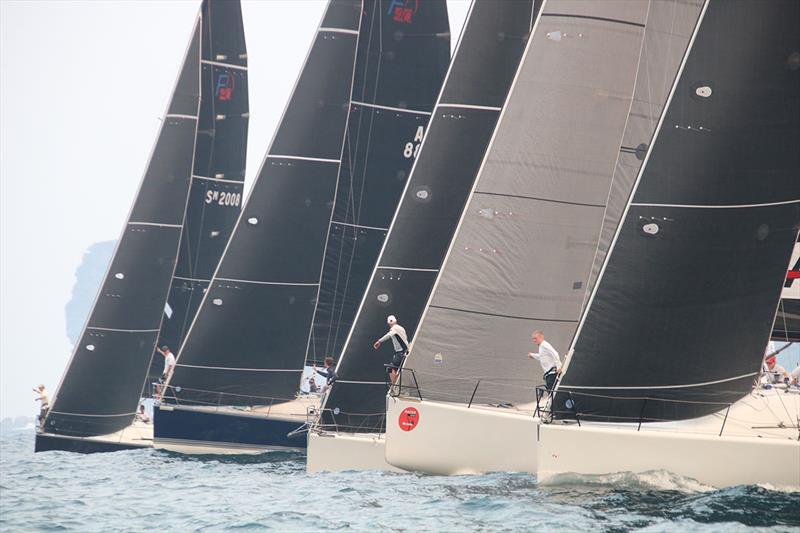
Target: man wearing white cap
400,342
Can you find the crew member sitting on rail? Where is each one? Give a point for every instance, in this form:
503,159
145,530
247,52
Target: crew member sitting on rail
142,415
400,343
548,358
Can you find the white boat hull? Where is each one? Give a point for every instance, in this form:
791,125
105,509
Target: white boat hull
751,449
334,452
452,439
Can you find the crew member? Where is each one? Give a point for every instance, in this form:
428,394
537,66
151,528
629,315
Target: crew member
400,343
548,358
169,367
45,399
328,373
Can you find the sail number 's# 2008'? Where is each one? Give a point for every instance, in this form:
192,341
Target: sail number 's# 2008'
232,199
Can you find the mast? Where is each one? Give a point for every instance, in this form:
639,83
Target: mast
465,116
101,387
216,192
685,301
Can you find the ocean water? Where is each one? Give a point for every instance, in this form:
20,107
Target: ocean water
151,490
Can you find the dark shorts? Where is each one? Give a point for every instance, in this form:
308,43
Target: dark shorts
397,360
550,378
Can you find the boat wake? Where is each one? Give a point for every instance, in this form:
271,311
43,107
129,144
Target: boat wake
661,480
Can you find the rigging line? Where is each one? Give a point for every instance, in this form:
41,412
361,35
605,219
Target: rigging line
560,320
203,367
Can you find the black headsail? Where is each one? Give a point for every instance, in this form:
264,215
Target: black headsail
462,124
399,73
249,336
215,196
684,304
101,388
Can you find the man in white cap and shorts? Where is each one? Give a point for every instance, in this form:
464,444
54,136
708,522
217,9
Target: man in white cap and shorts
400,342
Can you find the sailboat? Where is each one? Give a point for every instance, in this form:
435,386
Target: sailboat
284,288
95,405
787,321
349,432
522,256
660,372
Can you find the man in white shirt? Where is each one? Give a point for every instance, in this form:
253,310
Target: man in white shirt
794,376
400,343
169,367
548,358
775,373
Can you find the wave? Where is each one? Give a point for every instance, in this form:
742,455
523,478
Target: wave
650,480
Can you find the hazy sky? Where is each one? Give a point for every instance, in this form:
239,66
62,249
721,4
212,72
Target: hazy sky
83,84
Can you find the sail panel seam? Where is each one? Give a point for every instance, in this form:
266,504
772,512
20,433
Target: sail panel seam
686,386
267,282
339,30
359,226
124,330
220,64
472,106
484,313
233,182
389,108
588,17
157,224
409,268
731,206
303,158
176,115
549,200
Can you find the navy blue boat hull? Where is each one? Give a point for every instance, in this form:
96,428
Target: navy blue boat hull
47,443
179,429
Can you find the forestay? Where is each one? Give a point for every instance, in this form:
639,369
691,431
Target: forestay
685,301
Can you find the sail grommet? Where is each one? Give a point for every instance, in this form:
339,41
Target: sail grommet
336,410
555,35
704,91
252,221
217,301
383,299
90,347
651,229
119,275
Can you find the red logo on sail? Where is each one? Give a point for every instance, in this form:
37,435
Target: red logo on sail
225,85
409,419
403,11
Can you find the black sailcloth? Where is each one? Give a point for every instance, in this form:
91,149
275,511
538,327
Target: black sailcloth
249,337
101,388
215,196
469,105
685,303
402,62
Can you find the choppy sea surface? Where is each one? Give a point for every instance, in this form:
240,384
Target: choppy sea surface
146,490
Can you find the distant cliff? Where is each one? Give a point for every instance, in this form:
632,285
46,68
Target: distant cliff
88,277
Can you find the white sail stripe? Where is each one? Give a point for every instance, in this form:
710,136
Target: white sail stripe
155,224
242,369
84,414
220,64
388,108
411,269
190,279
730,206
687,386
339,30
359,226
195,176
124,330
303,158
175,115
470,106
266,282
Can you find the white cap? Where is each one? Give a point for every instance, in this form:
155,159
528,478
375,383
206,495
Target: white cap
391,319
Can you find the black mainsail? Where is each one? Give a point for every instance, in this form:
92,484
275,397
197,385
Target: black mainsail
399,73
215,195
462,124
685,301
103,382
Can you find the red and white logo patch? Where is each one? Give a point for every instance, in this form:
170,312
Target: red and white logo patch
409,419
